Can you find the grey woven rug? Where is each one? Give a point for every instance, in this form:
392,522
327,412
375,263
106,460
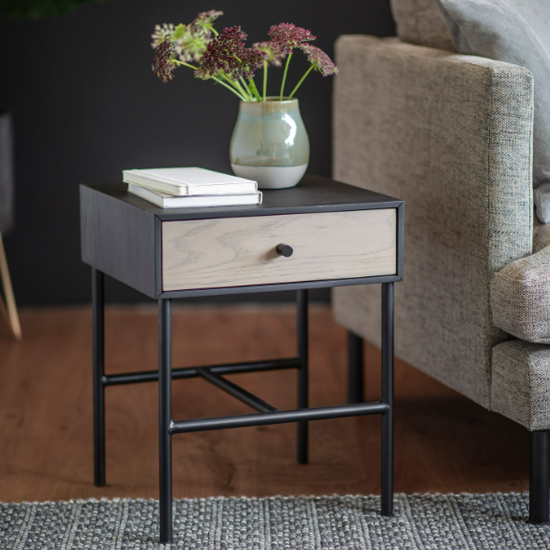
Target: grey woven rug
457,522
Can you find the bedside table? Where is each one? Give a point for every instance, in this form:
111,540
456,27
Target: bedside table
318,234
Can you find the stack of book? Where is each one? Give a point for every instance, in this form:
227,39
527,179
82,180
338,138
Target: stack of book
191,187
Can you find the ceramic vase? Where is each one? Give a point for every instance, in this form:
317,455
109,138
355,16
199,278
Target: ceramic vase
270,144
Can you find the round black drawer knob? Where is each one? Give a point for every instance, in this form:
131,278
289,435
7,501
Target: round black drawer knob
284,250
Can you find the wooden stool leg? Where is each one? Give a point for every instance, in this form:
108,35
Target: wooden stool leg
4,311
13,317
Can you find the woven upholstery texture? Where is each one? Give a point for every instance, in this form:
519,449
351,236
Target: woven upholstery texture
518,32
520,298
421,22
451,135
521,383
541,235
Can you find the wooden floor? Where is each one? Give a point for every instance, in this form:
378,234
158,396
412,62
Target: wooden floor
443,442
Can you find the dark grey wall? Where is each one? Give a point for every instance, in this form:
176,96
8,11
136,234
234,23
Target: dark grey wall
86,105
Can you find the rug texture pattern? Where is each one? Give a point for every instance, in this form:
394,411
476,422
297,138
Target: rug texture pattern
426,522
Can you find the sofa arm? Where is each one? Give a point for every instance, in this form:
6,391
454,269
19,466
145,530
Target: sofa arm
520,298
451,132
451,135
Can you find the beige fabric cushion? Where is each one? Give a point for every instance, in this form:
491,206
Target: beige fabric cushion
521,383
421,22
520,298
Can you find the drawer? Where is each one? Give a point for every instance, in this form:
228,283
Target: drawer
226,252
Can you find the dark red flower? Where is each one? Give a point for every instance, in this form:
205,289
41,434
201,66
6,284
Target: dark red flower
226,54
287,36
321,61
202,24
221,55
275,56
252,60
165,58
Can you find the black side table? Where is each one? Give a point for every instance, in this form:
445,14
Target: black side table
319,234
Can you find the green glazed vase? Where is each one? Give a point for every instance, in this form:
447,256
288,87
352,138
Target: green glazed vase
270,143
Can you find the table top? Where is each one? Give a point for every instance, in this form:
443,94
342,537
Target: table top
313,194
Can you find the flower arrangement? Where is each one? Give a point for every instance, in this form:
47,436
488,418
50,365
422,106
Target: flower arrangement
224,58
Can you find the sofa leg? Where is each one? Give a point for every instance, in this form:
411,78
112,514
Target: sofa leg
355,368
539,477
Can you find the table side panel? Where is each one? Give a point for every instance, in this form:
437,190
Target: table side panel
118,239
241,251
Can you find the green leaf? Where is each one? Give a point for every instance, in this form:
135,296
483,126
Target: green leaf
179,32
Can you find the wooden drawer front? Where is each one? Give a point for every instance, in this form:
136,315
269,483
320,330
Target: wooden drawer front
241,251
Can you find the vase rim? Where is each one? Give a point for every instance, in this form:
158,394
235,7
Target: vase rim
271,99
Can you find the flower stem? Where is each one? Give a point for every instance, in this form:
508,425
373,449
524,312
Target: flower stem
301,80
265,78
183,64
254,89
235,91
243,89
248,88
284,76
243,92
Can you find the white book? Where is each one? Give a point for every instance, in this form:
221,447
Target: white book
189,181
165,200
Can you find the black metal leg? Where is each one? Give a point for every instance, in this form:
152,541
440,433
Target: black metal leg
98,323
302,303
269,414
355,368
387,397
165,418
539,477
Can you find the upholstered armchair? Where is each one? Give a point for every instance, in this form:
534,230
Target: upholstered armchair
452,135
